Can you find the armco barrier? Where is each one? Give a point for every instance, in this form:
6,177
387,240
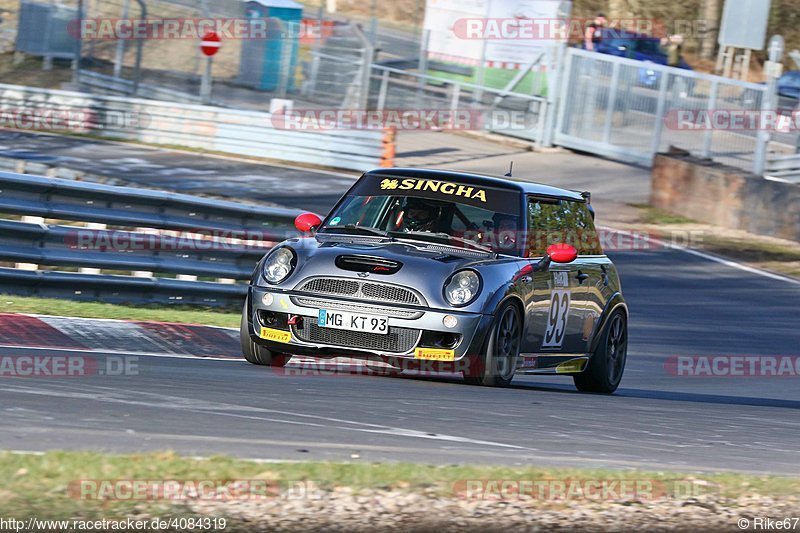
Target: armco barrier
216,129
155,235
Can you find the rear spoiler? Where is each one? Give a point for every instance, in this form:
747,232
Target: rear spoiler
586,195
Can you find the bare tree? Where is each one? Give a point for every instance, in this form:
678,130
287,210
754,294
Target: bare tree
711,15
624,9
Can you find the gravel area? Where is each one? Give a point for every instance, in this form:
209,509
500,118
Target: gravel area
344,510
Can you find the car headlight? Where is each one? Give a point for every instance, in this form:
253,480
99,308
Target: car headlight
279,265
463,287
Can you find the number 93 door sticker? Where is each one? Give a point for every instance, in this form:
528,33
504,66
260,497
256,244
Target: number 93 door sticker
557,319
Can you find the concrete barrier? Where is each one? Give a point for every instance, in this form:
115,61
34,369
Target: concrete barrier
725,196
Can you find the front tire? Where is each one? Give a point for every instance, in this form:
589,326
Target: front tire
254,353
605,369
502,351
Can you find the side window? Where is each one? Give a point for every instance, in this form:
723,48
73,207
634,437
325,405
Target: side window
587,239
564,221
359,210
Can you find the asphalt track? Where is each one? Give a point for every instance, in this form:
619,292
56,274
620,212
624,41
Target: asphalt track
681,304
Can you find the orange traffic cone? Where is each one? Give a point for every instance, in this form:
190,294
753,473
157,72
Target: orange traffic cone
387,157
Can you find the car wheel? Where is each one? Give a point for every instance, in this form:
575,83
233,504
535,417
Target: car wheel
499,361
607,364
254,353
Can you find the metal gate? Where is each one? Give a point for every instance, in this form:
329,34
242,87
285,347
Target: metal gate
630,110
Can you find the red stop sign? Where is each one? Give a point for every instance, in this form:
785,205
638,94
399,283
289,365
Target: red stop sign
210,44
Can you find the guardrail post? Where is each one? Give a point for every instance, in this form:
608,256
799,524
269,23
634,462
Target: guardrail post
29,266
384,89
145,273
93,226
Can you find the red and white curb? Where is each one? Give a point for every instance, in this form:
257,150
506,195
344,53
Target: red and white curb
141,338
117,336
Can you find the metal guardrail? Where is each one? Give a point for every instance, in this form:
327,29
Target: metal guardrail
126,206
103,84
786,168
215,129
25,242
153,235
119,289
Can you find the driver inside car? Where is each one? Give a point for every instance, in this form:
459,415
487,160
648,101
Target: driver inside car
505,231
420,214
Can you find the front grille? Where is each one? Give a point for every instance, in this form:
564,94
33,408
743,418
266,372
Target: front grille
361,289
398,340
356,308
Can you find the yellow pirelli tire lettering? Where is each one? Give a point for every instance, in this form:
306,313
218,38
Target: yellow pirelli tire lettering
275,335
434,354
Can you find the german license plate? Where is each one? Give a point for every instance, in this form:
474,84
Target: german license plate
353,321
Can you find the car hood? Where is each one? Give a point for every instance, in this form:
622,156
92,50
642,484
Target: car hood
421,266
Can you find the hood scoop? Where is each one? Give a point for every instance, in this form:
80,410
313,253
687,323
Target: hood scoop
366,263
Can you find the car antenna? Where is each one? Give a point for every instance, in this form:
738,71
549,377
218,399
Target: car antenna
510,169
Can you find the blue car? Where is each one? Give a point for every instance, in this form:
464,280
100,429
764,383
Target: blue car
789,85
639,47
636,46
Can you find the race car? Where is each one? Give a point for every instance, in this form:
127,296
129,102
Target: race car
432,269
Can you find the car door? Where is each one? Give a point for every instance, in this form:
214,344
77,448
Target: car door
555,297
592,268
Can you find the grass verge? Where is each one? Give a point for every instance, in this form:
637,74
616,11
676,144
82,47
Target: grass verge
769,253
179,314
44,486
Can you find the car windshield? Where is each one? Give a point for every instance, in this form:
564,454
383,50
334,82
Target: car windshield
434,213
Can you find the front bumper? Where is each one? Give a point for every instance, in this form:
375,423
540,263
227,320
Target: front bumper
424,328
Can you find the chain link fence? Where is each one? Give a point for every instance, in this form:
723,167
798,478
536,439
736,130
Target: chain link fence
631,110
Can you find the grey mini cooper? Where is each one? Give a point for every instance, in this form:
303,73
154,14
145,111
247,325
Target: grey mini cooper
445,271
